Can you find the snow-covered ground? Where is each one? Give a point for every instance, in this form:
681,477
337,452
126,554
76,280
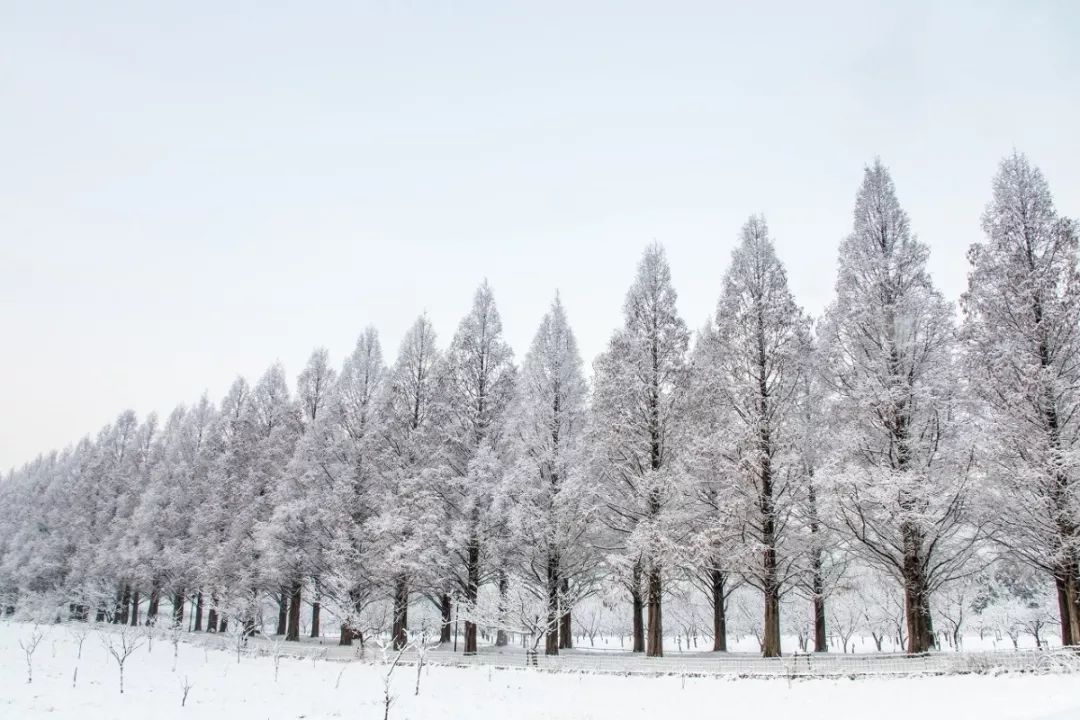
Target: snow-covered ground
221,687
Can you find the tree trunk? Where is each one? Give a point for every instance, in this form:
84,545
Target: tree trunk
282,612
472,588
767,505
401,612
1068,594
501,638
346,636
135,607
655,645
316,612
638,626
211,620
125,602
446,613
771,641
554,627
292,628
719,616
770,587
198,611
152,606
178,607
919,632
566,632
821,638
929,636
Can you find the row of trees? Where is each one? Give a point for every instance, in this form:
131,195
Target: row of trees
772,451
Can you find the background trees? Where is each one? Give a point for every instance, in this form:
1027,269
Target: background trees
765,472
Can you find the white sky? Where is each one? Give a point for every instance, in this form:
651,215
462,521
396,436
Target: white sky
190,193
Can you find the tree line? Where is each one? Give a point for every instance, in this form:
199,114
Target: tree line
768,450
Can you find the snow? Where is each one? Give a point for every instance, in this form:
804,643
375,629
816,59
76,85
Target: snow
221,687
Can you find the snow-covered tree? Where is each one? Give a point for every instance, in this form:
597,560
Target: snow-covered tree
407,513
754,363
477,379
221,559
637,390
357,427
163,539
1022,335
710,557
296,538
901,471
546,491
826,556
271,426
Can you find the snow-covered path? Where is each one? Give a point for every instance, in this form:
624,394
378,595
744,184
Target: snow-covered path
223,688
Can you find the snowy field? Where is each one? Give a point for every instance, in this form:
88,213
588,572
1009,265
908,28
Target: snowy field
222,687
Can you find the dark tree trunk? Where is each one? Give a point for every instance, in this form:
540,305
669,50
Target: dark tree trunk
566,631
1067,576
817,579
639,611
178,607
1067,584
292,629
821,638
919,632
551,640
282,612
470,637
125,601
501,639
212,620
771,641
654,647
346,636
719,616
1063,608
929,636
134,618
152,606
446,612
401,612
767,502
198,611
316,609
472,588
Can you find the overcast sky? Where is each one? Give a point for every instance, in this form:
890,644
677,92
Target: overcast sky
191,193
